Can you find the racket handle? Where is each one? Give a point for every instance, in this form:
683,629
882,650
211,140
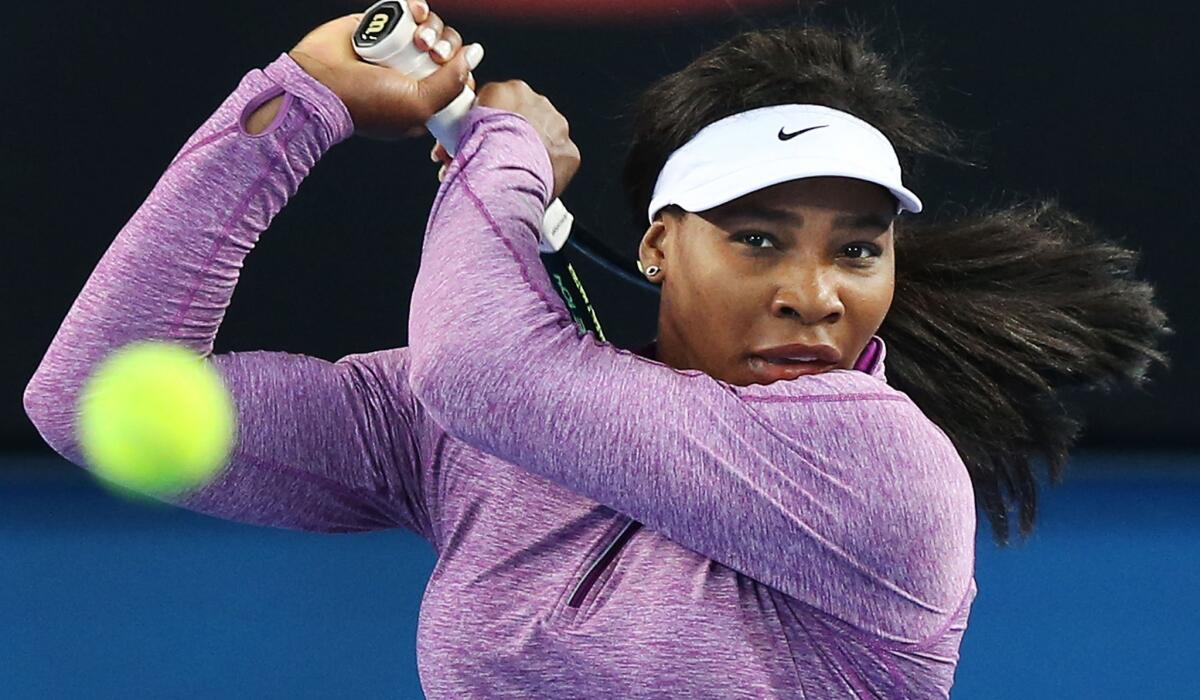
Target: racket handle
385,37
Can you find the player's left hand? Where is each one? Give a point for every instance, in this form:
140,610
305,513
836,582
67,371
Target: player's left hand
516,96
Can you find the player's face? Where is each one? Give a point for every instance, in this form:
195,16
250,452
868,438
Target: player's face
809,261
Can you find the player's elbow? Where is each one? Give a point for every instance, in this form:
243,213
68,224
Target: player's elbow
47,409
36,398
941,521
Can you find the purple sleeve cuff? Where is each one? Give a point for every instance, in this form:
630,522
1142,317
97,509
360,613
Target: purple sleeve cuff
521,144
331,110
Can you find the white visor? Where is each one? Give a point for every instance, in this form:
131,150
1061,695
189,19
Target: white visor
753,150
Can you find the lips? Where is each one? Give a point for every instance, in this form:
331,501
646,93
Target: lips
775,370
819,354
791,361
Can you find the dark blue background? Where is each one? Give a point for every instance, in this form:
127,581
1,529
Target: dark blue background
101,598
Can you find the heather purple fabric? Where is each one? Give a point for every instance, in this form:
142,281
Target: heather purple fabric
606,526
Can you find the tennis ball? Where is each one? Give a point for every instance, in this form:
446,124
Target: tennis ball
155,418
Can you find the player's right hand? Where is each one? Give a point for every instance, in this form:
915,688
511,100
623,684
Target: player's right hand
384,103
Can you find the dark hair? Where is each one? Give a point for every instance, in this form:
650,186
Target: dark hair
995,314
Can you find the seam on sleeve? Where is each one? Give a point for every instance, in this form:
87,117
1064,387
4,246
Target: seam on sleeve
215,136
220,241
823,398
495,227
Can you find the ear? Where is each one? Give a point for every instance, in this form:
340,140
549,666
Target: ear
652,249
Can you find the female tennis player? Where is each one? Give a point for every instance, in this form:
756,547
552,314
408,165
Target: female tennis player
747,508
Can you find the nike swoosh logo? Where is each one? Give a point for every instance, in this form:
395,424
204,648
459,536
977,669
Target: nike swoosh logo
784,136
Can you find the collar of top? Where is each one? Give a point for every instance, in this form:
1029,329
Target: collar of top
753,150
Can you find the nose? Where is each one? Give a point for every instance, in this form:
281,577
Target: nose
809,295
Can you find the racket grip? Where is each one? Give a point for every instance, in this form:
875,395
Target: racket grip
385,37
446,125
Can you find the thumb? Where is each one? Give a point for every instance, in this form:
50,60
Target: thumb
441,87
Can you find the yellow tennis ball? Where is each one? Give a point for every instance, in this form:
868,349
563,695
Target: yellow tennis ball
156,418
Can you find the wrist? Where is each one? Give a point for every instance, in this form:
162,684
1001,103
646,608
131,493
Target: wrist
314,68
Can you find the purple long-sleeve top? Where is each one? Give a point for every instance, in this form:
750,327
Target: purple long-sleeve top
606,526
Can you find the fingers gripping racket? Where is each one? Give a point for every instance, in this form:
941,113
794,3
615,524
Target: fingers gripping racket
384,37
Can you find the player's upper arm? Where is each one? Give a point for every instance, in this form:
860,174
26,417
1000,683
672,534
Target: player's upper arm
893,545
322,446
836,490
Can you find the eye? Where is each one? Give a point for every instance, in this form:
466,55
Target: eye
752,238
870,249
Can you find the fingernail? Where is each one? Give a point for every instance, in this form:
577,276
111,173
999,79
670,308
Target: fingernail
442,48
424,7
433,154
474,55
427,35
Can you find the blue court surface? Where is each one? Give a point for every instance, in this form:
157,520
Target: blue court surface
102,598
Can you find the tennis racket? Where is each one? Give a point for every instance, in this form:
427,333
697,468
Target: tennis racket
384,37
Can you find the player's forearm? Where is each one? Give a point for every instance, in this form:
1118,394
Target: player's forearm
480,246
171,271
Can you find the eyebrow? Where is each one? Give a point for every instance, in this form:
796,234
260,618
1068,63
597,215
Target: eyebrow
871,221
